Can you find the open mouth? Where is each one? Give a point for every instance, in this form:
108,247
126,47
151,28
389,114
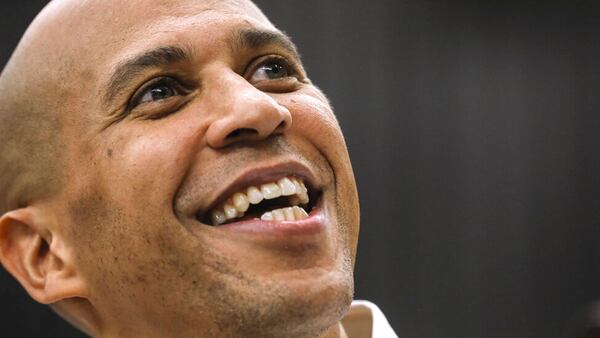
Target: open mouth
286,199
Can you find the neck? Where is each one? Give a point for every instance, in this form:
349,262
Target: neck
336,331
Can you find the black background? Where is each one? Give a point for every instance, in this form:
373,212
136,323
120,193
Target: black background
474,133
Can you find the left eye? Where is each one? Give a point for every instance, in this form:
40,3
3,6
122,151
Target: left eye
272,70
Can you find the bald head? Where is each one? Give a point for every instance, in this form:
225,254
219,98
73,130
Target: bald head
125,125
31,91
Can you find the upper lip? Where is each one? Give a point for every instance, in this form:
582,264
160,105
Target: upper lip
255,176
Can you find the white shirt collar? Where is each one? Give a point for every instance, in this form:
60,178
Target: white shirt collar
366,320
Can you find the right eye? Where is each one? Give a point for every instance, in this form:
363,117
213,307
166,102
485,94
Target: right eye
159,97
156,93
159,89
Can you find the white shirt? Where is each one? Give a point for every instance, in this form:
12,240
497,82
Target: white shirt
365,320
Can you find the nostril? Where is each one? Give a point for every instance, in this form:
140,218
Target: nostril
241,132
281,126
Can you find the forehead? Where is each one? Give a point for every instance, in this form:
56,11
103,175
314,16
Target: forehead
84,35
105,27
85,40
134,12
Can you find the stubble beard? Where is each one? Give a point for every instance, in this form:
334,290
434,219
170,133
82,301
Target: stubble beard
265,308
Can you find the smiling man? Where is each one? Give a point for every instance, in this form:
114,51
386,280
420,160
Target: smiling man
169,170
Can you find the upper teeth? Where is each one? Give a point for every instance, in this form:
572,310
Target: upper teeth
236,205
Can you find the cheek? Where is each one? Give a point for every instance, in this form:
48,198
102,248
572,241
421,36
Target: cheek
126,251
314,121
121,206
149,167
313,118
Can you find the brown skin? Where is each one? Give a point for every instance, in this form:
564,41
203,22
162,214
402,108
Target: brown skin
117,248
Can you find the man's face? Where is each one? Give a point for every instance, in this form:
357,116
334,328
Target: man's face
175,107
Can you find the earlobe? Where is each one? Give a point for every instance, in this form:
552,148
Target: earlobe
37,257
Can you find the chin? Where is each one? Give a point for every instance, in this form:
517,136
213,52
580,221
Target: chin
302,306
313,305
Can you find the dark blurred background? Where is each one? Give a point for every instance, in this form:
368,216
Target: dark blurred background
474,130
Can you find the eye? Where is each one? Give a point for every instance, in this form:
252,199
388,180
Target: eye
272,69
159,89
159,92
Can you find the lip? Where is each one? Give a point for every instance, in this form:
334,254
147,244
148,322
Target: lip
259,175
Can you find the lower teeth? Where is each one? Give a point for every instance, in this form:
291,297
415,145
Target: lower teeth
294,213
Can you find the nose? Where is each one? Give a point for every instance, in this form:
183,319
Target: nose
244,113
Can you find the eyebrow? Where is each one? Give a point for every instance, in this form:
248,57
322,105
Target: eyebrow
127,70
168,55
256,39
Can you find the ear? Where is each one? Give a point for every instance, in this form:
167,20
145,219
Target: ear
38,257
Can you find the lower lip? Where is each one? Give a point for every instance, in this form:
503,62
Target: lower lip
312,225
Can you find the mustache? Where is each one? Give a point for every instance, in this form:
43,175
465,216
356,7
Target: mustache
257,150
209,176
265,150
